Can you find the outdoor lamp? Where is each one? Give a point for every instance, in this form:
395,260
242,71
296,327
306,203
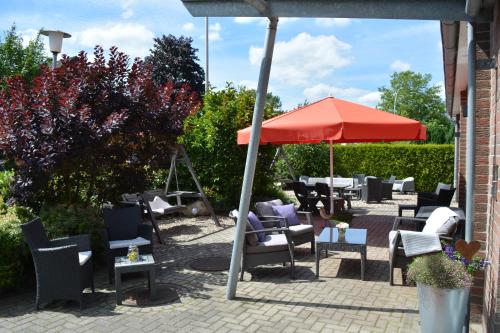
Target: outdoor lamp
55,42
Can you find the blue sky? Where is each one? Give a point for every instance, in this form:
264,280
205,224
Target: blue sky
314,58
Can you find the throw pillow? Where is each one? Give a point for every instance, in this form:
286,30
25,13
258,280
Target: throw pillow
288,212
265,208
256,225
436,223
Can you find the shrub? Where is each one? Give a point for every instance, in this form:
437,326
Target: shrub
428,163
65,220
439,271
210,139
86,130
14,254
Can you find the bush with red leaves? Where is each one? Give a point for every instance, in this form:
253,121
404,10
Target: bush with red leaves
88,131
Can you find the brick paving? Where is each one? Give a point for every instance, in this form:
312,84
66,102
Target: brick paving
267,300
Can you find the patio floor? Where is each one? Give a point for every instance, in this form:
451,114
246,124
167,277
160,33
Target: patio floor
268,301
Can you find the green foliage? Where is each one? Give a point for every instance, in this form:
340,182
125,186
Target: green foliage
14,255
439,271
210,139
6,177
417,99
65,220
15,59
428,164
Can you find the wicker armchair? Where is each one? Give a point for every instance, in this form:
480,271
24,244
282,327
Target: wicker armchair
405,185
372,190
307,201
275,249
124,227
63,266
442,196
301,234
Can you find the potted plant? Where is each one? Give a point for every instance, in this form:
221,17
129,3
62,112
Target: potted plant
443,282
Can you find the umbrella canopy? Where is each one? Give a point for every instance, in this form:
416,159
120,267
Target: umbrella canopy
339,121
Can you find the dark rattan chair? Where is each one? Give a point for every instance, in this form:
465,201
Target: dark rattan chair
307,200
441,198
277,247
386,190
372,190
124,227
63,266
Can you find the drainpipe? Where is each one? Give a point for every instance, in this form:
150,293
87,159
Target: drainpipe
253,149
455,161
471,132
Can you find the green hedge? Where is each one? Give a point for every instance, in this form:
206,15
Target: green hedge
428,163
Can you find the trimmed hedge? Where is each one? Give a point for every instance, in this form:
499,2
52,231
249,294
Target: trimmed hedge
428,163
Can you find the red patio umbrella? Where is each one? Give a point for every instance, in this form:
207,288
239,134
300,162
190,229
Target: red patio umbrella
335,120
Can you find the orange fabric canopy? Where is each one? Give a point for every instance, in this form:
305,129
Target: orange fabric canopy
337,120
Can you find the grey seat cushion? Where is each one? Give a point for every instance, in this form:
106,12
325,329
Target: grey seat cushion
265,208
301,229
272,243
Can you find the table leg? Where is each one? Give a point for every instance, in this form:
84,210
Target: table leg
318,254
118,287
400,211
152,283
363,262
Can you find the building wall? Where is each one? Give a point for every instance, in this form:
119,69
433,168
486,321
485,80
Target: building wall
491,303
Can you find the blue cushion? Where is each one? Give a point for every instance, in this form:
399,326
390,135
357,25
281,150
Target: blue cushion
287,211
256,225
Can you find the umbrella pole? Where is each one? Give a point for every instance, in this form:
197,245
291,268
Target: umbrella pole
332,210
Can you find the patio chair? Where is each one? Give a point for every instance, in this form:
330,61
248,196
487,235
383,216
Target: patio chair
63,266
355,189
307,200
300,233
157,205
372,189
391,179
275,247
124,227
442,196
443,222
386,190
360,177
323,191
405,185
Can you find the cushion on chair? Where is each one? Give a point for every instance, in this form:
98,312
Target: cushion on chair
84,256
265,208
158,205
125,243
256,225
442,186
301,229
441,221
397,187
251,239
392,240
288,212
271,243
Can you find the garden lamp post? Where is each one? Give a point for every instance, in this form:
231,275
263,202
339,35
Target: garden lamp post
55,43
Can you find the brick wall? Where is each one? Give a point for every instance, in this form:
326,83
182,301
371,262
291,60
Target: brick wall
491,305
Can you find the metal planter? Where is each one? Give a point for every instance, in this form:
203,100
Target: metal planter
442,310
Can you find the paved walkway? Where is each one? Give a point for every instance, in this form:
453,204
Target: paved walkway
268,301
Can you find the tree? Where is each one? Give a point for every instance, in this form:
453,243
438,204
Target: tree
15,59
210,139
416,98
87,132
174,60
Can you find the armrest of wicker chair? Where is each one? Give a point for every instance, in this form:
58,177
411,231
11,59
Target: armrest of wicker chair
145,231
58,267
308,216
285,231
81,241
414,220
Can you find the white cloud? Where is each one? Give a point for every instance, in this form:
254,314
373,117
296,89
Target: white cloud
442,92
264,20
132,38
213,32
357,95
332,22
399,66
250,84
127,12
305,58
188,27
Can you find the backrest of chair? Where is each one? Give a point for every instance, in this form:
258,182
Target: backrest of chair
35,234
122,223
373,183
442,186
445,196
265,208
391,179
132,197
300,189
323,189
360,177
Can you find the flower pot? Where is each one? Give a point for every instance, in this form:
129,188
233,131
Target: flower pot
442,310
